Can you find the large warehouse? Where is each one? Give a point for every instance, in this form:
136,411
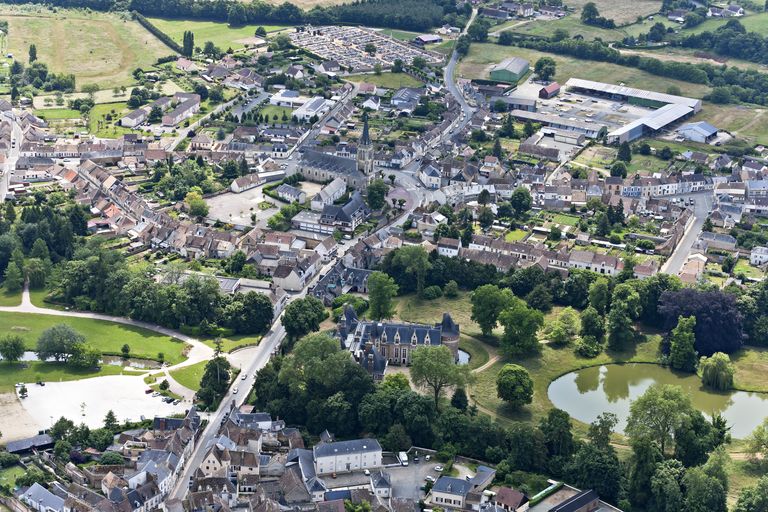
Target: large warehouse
643,98
669,108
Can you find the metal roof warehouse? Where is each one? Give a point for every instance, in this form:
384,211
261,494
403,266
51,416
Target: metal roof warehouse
630,94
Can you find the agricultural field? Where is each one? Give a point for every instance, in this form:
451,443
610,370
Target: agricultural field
482,56
220,34
387,80
100,48
753,23
744,121
676,54
107,337
620,11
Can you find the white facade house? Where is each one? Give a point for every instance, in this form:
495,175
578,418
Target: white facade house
328,194
448,247
758,256
346,456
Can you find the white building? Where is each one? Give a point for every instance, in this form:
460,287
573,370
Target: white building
328,194
317,106
346,456
758,256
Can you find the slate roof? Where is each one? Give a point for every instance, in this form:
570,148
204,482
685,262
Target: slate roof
329,162
22,445
42,497
346,447
576,502
451,485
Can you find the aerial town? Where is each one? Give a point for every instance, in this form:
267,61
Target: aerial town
402,256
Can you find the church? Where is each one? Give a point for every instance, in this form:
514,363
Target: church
357,173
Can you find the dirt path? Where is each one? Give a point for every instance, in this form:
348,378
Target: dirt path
493,360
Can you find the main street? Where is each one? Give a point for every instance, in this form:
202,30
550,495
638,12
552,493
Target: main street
702,205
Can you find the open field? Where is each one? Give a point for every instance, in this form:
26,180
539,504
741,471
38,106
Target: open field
402,35
386,80
102,118
745,121
220,34
481,56
411,309
97,48
621,11
753,23
308,4
677,54
573,25
107,337
190,376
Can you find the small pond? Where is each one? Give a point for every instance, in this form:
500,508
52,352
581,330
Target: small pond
463,357
106,360
585,394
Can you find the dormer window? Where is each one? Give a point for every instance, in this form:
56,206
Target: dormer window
413,338
427,341
397,338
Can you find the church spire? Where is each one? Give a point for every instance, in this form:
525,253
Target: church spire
365,140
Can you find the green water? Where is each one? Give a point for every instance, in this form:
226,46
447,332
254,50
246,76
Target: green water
585,394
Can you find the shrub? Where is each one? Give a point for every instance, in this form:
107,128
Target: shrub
432,292
451,289
588,346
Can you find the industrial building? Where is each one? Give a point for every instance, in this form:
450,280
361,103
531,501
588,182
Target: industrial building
590,130
698,132
510,70
650,124
640,97
670,108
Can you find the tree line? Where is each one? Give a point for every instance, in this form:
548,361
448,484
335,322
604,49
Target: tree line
403,14
731,40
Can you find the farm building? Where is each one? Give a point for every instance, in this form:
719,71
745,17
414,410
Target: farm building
510,70
589,130
426,39
550,91
698,132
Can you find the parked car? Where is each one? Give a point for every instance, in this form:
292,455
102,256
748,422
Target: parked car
427,457
234,391
429,478
439,469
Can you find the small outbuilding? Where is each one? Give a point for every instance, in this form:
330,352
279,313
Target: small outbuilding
549,91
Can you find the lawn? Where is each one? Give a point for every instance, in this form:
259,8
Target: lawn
481,56
515,235
98,48
48,372
54,114
99,124
544,368
273,110
107,337
230,343
9,475
565,220
387,80
9,298
190,376
220,34
411,309
477,350
402,35
743,267
646,164
745,121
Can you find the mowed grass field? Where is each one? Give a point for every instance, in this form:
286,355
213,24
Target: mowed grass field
620,11
481,56
743,121
97,48
220,34
107,337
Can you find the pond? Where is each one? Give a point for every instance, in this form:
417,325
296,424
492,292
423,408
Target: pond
105,360
584,394
463,357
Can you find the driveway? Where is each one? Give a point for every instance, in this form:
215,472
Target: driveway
407,480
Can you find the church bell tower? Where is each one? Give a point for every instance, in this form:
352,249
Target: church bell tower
365,150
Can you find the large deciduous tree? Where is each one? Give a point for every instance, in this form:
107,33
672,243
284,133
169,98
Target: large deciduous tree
718,319
682,352
488,301
303,316
381,289
657,413
514,385
434,367
521,324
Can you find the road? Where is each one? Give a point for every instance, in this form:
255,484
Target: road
703,204
450,83
12,156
